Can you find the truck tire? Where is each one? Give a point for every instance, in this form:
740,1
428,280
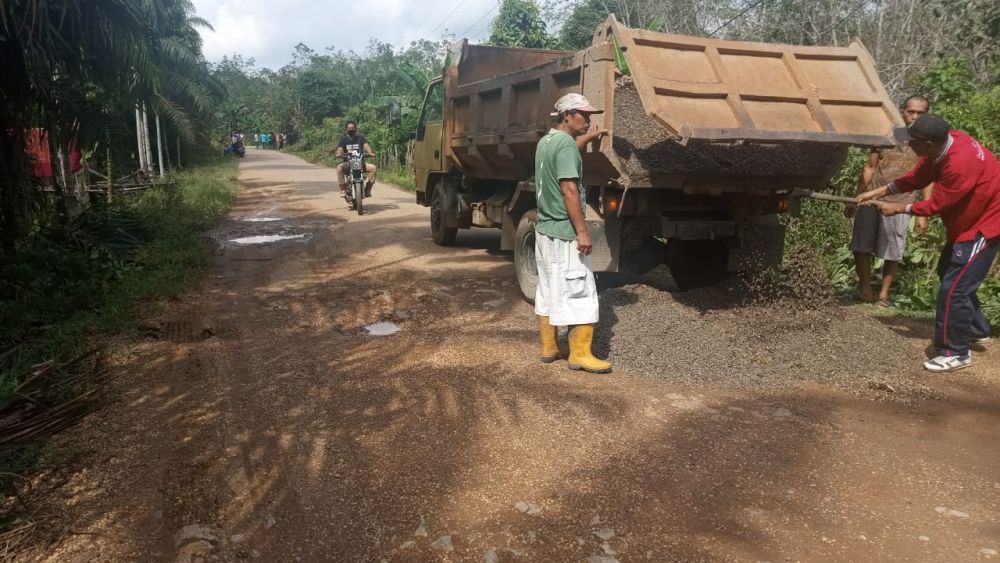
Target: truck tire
524,255
697,263
443,236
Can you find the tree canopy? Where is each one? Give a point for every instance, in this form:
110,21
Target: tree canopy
519,24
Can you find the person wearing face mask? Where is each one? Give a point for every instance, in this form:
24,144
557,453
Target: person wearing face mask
967,197
566,294
350,143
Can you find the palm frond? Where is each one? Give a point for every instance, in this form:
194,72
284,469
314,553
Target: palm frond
177,117
195,21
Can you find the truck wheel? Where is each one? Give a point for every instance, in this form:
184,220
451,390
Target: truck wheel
697,263
524,255
443,236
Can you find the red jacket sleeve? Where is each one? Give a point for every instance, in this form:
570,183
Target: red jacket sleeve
921,175
951,188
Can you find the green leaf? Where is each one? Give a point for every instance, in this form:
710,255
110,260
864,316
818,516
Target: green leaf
620,61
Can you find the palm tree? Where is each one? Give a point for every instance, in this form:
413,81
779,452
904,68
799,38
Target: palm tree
185,91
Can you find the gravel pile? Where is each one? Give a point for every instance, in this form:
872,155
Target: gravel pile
647,151
769,331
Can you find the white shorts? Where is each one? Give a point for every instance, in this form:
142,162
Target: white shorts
566,292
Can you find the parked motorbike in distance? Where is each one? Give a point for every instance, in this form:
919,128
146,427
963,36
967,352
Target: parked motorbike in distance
236,149
356,183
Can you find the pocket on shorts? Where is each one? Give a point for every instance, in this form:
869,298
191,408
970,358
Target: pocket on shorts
576,284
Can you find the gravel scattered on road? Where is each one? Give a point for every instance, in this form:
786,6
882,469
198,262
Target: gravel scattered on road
755,333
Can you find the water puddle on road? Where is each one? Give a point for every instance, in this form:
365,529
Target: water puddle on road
264,239
382,329
260,219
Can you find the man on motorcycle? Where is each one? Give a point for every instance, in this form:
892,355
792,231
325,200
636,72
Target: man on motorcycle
350,143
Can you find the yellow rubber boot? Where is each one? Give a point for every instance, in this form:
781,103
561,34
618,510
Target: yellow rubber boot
550,347
581,337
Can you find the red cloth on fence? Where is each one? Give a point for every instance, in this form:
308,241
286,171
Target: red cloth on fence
36,144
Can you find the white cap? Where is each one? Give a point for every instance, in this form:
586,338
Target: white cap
574,101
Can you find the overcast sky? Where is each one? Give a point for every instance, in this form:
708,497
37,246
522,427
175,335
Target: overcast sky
268,30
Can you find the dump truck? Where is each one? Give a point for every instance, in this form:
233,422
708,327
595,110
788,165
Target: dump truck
709,142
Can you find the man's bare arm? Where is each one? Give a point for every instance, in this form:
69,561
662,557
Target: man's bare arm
571,198
595,133
868,172
865,180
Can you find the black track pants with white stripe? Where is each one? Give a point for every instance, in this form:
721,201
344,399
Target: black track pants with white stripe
962,268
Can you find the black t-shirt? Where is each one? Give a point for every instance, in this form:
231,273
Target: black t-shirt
357,144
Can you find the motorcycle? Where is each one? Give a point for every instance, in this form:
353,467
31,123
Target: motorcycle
235,149
355,194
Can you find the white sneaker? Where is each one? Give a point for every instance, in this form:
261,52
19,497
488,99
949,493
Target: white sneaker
948,363
980,344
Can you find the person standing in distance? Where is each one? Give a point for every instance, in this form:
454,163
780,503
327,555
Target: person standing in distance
567,292
967,197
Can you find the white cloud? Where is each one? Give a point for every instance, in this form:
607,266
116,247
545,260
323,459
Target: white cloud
268,30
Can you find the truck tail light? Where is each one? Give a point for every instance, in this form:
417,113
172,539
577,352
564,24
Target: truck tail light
783,205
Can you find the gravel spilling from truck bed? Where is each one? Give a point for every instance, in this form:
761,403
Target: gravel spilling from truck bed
758,333
651,154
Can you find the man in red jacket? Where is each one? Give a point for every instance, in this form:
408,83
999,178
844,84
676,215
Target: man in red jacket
967,197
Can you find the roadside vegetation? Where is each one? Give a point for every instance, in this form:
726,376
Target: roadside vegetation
70,283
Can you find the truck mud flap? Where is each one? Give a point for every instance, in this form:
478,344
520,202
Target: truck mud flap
606,236
458,214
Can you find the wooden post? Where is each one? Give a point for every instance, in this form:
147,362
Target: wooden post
138,138
166,150
159,146
56,186
110,174
146,144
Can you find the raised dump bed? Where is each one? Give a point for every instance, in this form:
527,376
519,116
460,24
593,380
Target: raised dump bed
691,112
707,111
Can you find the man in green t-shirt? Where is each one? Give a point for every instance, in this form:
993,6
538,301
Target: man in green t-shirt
566,294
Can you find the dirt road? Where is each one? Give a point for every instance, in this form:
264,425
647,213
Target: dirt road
257,421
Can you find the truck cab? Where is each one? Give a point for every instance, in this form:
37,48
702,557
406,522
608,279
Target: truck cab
428,144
